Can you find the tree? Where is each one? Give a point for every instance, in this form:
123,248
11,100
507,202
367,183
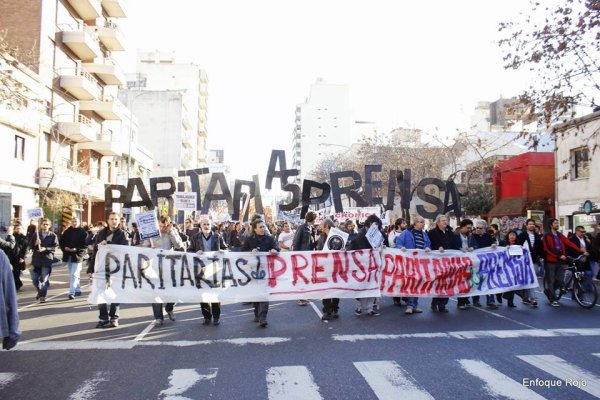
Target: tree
560,45
478,200
14,93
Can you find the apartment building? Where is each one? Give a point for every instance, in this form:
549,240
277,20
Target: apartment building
86,142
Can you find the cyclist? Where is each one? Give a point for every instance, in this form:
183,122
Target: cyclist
555,244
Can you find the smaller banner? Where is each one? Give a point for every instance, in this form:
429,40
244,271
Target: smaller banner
185,201
147,224
374,236
35,213
336,240
357,213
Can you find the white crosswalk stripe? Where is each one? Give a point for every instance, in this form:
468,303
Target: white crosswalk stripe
570,375
89,388
291,383
183,379
389,381
6,378
496,383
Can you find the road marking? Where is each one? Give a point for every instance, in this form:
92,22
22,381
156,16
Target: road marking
319,313
596,354
570,375
390,382
496,383
514,321
130,344
144,332
183,379
89,389
502,334
291,383
48,298
6,378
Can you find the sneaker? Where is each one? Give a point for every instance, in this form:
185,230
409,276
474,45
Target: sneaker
302,302
77,294
102,324
42,299
206,321
158,322
526,301
462,307
358,311
417,310
114,324
171,315
216,321
409,310
326,317
71,296
492,306
534,303
373,314
263,323
555,304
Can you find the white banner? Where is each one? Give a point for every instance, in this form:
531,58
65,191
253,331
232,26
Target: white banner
357,213
141,275
185,201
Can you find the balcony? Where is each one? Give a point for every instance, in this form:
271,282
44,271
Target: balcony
80,84
81,131
110,36
106,70
114,8
86,9
105,145
108,108
81,41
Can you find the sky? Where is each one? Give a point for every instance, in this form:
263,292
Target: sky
412,64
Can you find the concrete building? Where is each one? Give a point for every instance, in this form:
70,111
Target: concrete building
75,46
160,71
323,126
578,173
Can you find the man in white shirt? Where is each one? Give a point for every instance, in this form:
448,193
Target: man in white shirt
286,237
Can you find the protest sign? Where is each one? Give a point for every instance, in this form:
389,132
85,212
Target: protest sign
185,201
374,236
35,213
147,224
126,274
336,240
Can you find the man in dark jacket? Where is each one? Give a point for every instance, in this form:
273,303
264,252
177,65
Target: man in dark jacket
207,240
441,238
536,248
9,316
109,235
72,244
484,239
43,248
305,239
465,241
17,257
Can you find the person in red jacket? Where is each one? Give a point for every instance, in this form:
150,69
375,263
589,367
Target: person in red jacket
554,271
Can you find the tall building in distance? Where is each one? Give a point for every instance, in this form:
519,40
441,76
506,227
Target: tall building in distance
323,126
83,141
177,137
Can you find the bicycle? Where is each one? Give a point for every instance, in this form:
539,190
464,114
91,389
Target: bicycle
584,291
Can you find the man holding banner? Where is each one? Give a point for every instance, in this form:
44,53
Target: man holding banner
330,306
44,245
304,239
415,238
109,235
207,240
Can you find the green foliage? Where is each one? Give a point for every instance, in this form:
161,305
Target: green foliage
478,200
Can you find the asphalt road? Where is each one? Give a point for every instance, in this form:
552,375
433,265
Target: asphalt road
521,353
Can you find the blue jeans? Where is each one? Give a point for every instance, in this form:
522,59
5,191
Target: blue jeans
157,310
412,301
105,315
74,273
40,277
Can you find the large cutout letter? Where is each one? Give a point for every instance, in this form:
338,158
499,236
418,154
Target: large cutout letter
272,172
145,201
350,191
435,201
371,185
217,177
306,191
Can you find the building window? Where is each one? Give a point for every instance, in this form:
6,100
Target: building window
580,163
19,147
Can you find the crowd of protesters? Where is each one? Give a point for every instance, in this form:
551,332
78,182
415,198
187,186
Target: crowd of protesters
79,244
